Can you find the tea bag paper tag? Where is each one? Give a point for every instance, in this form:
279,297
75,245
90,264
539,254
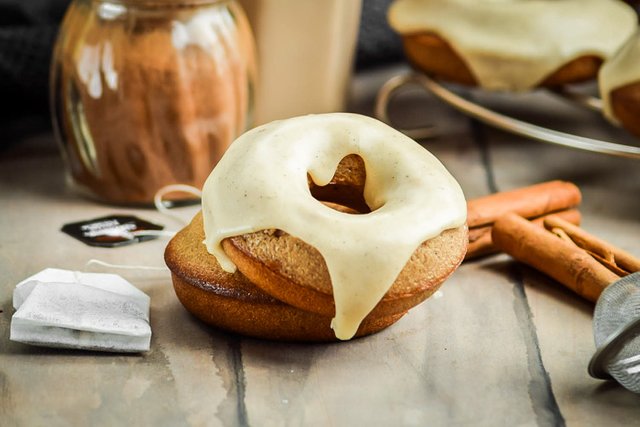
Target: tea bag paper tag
111,231
94,311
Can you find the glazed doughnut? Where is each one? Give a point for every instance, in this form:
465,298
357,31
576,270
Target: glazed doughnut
231,302
619,83
350,262
513,45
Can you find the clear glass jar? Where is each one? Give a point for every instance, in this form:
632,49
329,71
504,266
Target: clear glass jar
147,93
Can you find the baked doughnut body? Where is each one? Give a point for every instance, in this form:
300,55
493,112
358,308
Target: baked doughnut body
411,196
511,44
231,302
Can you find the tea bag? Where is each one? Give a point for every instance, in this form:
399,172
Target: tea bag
69,309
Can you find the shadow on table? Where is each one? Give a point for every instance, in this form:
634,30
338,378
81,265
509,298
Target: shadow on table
613,393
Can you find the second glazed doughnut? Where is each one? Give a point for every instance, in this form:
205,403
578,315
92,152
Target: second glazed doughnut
512,45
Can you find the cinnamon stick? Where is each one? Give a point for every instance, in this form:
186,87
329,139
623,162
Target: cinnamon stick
544,251
528,202
481,243
609,255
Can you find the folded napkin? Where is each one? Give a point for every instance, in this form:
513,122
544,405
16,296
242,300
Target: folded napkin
93,311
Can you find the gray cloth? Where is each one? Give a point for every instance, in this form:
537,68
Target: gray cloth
27,34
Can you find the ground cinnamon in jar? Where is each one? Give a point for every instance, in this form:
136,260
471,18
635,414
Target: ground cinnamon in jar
150,96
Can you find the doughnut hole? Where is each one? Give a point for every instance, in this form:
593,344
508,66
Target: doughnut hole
345,188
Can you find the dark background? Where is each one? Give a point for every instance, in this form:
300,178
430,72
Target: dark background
28,30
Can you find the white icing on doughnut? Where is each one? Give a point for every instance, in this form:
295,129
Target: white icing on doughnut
261,183
516,44
621,69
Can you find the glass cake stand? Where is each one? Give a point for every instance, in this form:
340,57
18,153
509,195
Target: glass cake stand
499,120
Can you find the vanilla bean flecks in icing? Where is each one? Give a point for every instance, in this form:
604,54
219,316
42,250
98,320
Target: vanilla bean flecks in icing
621,69
261,183
516,44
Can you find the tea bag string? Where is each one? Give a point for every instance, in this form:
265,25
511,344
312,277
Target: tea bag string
101,263
164,207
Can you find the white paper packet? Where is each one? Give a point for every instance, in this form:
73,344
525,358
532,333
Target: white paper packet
95,311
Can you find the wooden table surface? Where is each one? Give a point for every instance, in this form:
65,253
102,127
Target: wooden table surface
500,344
